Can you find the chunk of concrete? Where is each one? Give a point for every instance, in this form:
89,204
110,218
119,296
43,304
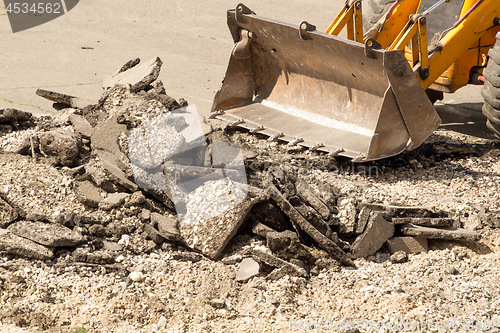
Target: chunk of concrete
87,193
97,230
23,247
62,144
137,198
112,246
211,236
187,256
425,221
306,193
153,234
347,215
399,257
7,214
48,234
110,163
158,140
377,232
138,76
71,101
129,64
113,200
167,226
300,223
81,126
248,269
444,233
101,257
408,244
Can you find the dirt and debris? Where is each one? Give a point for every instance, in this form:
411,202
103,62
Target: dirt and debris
93,202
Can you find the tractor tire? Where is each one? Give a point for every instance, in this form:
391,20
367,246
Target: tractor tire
373,11
491,89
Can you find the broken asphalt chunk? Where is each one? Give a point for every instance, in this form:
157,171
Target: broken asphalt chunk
87,193
425,221
300,222
278,263
113,200
306,193
70,101
23,247
408,244
363,217
48,234
153,234
105,136
138,77
110,163
286,245
438,233
13,115
167,226
313,217
7,214
377,232
248,269
402,211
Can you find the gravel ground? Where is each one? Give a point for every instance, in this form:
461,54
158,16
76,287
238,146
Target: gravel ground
452,286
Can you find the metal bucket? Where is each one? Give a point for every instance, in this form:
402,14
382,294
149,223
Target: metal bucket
305,87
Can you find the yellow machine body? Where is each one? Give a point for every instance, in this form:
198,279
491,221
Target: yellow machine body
363,96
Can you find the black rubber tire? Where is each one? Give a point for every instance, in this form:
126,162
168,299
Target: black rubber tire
373,11
491,89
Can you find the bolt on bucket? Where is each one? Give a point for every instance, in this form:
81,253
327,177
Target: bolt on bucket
301,86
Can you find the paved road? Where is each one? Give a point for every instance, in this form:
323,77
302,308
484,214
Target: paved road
191,37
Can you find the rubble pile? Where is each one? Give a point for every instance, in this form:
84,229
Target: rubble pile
90,145
78,197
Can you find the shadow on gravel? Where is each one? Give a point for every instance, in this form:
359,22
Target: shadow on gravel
439,158
464,118
478,247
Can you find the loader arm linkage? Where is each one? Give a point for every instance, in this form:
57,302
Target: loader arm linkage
402,26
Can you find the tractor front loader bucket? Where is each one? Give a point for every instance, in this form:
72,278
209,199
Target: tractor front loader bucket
305,87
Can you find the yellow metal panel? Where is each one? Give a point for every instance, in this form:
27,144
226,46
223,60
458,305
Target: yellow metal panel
396,22
459,40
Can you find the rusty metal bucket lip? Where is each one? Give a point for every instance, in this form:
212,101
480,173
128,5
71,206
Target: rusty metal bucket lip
287,138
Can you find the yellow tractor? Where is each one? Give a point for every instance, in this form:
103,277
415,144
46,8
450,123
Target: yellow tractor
367,96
